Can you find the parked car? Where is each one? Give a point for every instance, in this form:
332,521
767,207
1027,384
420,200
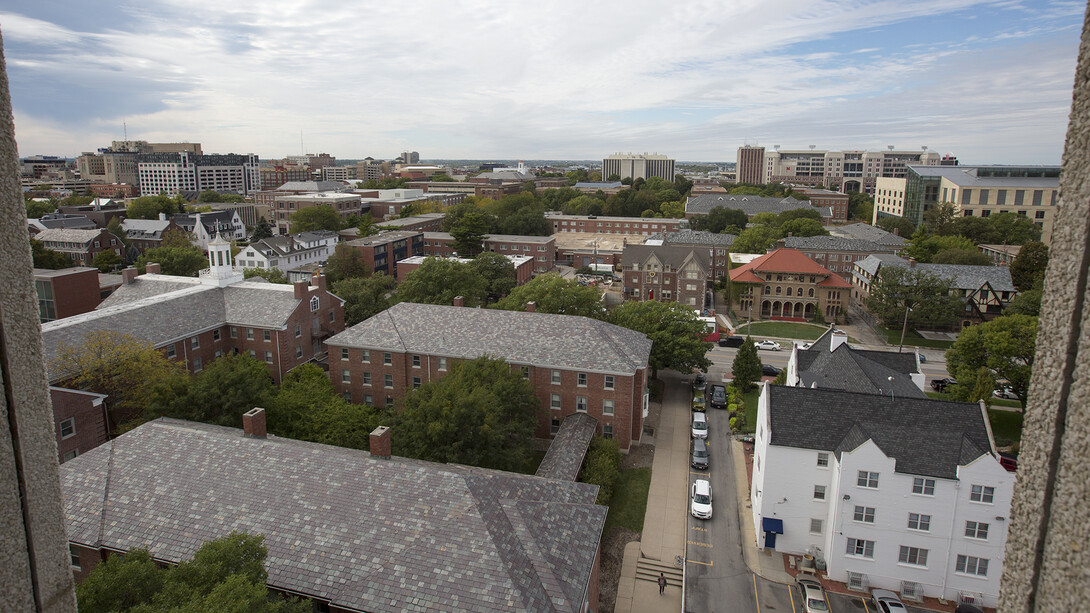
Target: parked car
940,385
769,345
731,341
813,595
700,381
1005,393
923,358
700,425
1008,461
768,370
718,398
699,457
702,499
886,601
699,400
805,345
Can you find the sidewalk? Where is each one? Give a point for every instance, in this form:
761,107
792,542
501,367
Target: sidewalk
766,563
664,526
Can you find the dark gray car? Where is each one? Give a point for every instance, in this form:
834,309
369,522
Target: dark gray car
718,397
699,457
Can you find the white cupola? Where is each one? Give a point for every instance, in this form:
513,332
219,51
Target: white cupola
220,272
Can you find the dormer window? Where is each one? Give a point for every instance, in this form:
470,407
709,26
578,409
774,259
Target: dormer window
314,303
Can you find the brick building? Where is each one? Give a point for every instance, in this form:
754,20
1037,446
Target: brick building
425,222
144,234
541,248
80,421
666,273
643,226
80,246
66,292
836,201
575,364
835,253
785,284
196,320
345,205
100,211
268,197
384,250
717,247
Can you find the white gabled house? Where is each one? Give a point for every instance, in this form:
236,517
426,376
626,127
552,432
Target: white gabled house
288,252
900,493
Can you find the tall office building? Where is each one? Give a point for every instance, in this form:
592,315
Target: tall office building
638,166
179,172
751,160
846,171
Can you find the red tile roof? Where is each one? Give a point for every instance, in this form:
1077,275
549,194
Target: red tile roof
786,260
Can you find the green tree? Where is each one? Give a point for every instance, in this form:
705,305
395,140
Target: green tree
746,368
1025,303
262,230
1028,267
440,280
1005,346
675,331
114,227
180,261
600,468
320,217
149,207
364,297
719,219
347,262
860,206
556,197
176,237
802,227
902,226
272,275
45,257
552,293
582,205
304,391
107,261
498,274
1012,229
482,413
939,219
469,233
971,257
120,583
923,247
756,239
674,209
925,294
225,389
36,208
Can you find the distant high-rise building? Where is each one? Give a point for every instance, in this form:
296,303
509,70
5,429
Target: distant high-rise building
751,161
410,157
179,172
638,166
847,171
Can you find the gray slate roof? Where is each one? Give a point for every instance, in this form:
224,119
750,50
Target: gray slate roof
857,370
67,235
835,243
750,205
539,339
674,256
598,185
925,437
364,533
694,238
568,448
312,186
60,220
867,232
964,276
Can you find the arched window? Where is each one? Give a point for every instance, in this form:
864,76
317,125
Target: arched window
768,289
811,292
789,291
779,290
314,303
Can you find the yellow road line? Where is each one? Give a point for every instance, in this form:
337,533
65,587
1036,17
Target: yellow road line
698,544
791,595
698,528
755,597
712,563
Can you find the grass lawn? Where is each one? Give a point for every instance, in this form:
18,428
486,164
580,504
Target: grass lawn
782,329
912,339
629,502
750,398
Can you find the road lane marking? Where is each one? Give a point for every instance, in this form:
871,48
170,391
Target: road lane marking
699,544
698,528
756,598
711,563
791,595
702,473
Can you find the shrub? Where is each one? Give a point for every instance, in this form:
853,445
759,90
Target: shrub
600,467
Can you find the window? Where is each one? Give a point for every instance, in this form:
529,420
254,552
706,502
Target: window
416,382
921,485
416,361
314,303
73,556
816,526
268,357
913,555
234,332
582,380
389,401
823,460
366,377
609,382
556,377
607,431
867,479
864,514
365,355
332,317
607,407
819,492
976,530
1039,215
195,342
344,353
298,331
982,493
253,354
266,335
581,404
860,547
368,399
554,401
172,352
215,335
525,370
298,351
250,333
442,363
917,521
388,381
219,353
387,358
346,376
554,426
68,427
972,566
198,365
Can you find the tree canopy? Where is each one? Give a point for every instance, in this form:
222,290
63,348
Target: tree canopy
675,331
897,225
262,230
552,293
363,297
107,261
347,262
972,257
925,294
497,272
272,275
180,261
440,280
481,413
209,195
721,219
225,389
44,257
36,208
320,217
746,368
469,232
1028,267
1005,346
149,207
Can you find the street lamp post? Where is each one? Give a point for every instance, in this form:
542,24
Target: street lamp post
904,328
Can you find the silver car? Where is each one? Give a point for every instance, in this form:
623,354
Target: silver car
885,601
813,596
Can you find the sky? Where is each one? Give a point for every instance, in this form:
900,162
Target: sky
987,81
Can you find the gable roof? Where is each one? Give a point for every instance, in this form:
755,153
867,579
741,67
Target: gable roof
785,260
857,370
541,339
836,243
924,436
868,232
963,276
364,533
568,448
750,205
68,235
693,238
312,186
674,256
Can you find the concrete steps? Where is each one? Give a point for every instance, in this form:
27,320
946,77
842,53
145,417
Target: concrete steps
648,570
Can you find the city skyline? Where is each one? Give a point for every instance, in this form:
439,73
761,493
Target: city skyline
989,82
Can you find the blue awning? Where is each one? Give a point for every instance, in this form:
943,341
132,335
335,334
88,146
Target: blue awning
772,524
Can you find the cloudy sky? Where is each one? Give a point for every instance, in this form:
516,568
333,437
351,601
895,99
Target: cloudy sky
989,81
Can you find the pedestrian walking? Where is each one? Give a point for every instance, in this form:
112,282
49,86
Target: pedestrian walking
662,583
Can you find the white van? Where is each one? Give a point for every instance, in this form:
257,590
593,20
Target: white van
700,425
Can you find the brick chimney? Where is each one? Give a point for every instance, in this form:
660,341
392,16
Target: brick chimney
531,307
301,289
911,262
896,231
128,275
253,423
458,301
380,442
318,280
152,268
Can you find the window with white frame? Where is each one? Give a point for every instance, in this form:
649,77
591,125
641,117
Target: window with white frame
198,365
73,557
68,427
864,514
867,479
266,336
921,485
819,492
554,426
581,404
388,381
298,331
346,375
416,382
416,361
215,335
912,555
554,401
253,354
344,353
607,407
249,334
195,342
298,351
387,358
607,431
816,525
823,460
172,352
442,363
314,303
555,377
582,379
365,355
608,382
919,521
365,377
525,370
971,565
976,530
982,493
860,547
234,332
268,357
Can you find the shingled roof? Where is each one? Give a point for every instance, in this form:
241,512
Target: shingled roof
963,276
694,238
568,448
868,232
750,205
365,534
925,437
541,339
857,370
787,261
674,256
